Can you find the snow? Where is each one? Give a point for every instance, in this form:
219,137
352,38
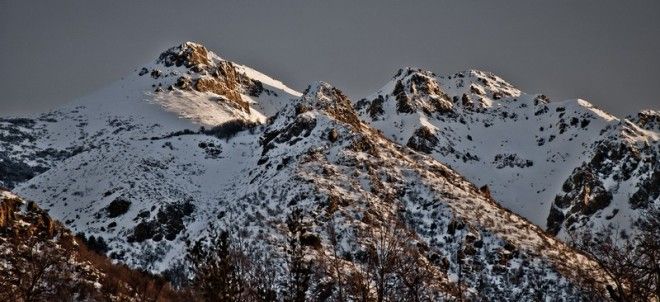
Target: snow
135,141
253,74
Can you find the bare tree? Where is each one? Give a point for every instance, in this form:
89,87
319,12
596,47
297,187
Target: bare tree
36,270
335,262
415,272
215,269
262,280
631,262
299,268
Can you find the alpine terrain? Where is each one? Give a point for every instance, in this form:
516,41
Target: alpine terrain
215,182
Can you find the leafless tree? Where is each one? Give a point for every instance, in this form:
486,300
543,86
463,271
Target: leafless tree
631,262
384,256
335,262
36,270
299,268
415,273
216,269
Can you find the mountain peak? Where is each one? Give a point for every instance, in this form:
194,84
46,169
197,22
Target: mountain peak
193,82
477,74
414,90
188,54
318,87
409,71
479,82
210,76
323,96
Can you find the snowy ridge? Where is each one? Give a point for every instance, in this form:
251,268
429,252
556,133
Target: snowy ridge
522,146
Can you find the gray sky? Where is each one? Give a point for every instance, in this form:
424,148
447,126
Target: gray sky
604,51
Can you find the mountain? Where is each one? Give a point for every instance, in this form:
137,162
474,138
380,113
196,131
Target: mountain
157,163
161,98
562,165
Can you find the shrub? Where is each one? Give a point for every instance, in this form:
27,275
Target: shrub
169,223
118,207
229,129
311,240
97,244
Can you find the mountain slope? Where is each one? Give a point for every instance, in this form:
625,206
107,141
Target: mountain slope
41,260
185,88
522,146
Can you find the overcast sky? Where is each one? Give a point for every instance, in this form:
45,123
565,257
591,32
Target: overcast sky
607,52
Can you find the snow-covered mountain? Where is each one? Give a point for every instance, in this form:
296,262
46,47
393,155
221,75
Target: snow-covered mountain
191,143
561,165
186,88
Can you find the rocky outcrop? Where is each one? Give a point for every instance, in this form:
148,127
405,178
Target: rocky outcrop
511,160
374,107
647,119
584,195
168,223
188,54
619,161
210,74
647,190
417,90
223,81
423,140
325,97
